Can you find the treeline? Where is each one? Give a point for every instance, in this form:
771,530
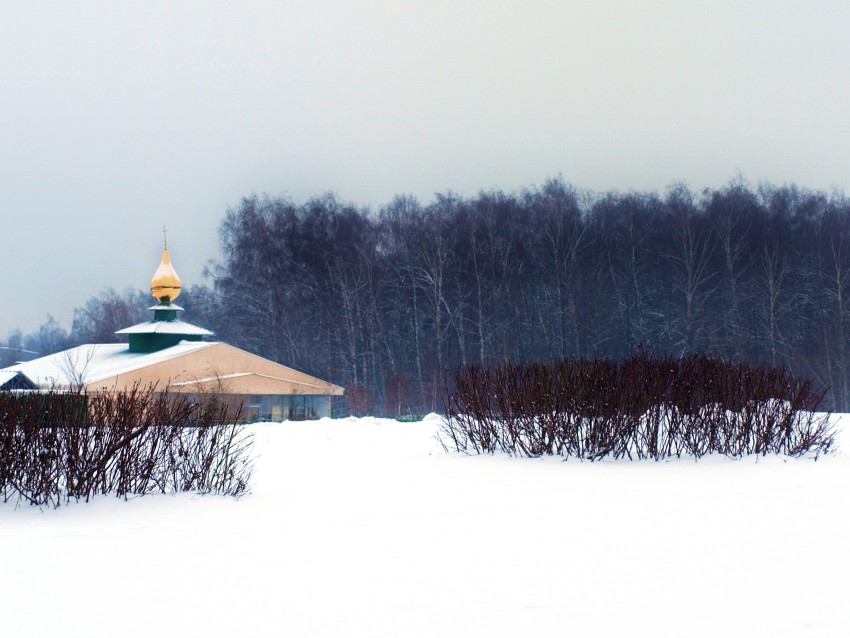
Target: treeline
383,302
95,322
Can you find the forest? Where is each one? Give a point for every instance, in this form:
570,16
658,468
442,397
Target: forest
385,301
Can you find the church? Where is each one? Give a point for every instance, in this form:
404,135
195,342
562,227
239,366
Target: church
176,356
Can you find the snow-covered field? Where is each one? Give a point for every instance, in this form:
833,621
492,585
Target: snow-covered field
366,527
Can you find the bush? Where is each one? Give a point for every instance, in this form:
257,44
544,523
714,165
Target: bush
638,408
58,446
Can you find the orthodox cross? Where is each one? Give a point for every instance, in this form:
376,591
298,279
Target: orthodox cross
164,237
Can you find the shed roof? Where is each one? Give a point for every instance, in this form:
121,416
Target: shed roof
15,380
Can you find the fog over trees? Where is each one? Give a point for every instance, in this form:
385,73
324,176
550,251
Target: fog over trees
383,301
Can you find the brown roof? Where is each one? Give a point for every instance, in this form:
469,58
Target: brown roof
220,368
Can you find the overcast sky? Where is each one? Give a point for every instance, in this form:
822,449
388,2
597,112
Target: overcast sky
117,118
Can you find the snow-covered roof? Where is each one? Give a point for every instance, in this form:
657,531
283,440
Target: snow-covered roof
95,362
172,327
166,306
7,375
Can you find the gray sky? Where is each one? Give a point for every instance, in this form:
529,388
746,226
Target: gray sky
118,117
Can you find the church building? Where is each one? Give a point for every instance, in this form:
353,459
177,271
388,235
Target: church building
173,355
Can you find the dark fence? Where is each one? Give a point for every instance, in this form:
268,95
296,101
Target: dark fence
640,408
57,446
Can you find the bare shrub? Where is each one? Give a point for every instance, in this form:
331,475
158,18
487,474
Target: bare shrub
639,408
57,446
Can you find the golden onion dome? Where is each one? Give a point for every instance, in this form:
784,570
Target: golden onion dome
165,285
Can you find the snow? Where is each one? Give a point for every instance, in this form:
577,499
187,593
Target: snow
366,527
170,327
